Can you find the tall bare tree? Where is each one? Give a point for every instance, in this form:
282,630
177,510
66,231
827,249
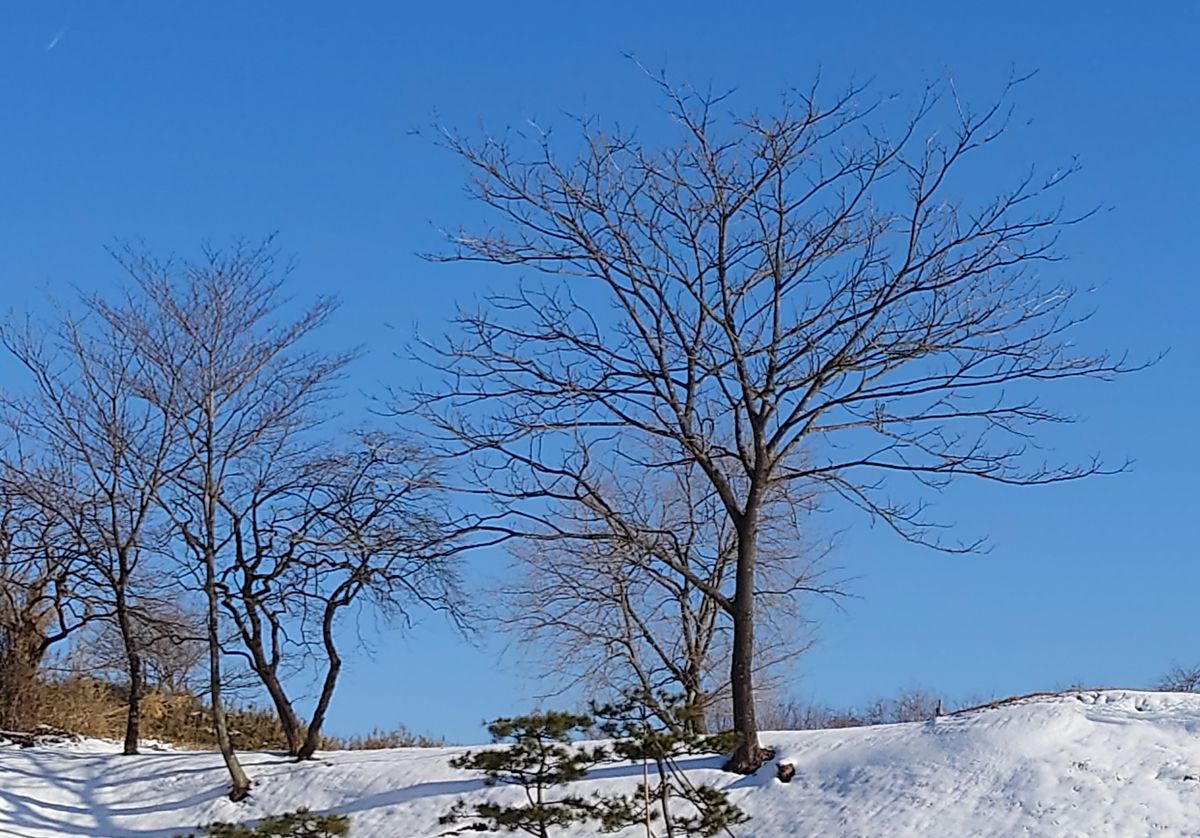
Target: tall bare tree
790,301
222,358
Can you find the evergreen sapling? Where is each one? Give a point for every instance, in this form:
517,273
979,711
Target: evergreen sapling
659,737
539,757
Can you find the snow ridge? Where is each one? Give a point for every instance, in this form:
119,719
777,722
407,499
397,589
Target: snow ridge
1114,762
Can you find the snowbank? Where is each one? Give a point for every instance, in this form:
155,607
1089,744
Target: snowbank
1082,764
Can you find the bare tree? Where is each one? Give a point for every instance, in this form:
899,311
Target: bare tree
385,539
1180,679
612,615
267,524
360,530
113,449
237,382
790,301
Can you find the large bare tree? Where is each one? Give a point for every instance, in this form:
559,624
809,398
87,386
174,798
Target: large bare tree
795,300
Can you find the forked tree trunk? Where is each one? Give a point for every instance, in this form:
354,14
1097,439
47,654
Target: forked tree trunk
269,676
694,700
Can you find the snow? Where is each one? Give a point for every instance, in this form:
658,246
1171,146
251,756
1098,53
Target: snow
1118,763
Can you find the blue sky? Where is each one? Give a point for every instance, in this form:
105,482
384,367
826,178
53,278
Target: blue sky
179,123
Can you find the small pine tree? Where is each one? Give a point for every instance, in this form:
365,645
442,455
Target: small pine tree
659,737
299,824
538,756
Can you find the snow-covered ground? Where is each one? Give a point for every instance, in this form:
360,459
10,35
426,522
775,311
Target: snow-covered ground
1082,764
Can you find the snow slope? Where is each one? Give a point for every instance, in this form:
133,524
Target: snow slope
1080,764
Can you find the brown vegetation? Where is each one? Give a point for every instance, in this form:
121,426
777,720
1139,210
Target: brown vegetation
95,707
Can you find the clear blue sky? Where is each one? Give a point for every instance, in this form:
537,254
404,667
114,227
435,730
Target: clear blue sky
177,123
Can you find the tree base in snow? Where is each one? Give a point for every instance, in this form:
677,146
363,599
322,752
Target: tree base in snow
748,759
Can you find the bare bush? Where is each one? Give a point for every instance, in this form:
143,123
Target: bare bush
911,705
1181,679
380,739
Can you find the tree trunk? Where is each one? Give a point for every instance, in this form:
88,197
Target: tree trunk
749,755
267,673
664,799
133,718
313,736
133,661
265,666
288,719
240,782
694,701
20,658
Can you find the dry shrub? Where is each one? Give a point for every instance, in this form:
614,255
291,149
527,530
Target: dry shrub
378,739
96,708
1181,679
87,706
909,706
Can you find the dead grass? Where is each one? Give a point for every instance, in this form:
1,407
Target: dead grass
94,707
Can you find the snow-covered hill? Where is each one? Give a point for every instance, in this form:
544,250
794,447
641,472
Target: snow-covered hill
1081,764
